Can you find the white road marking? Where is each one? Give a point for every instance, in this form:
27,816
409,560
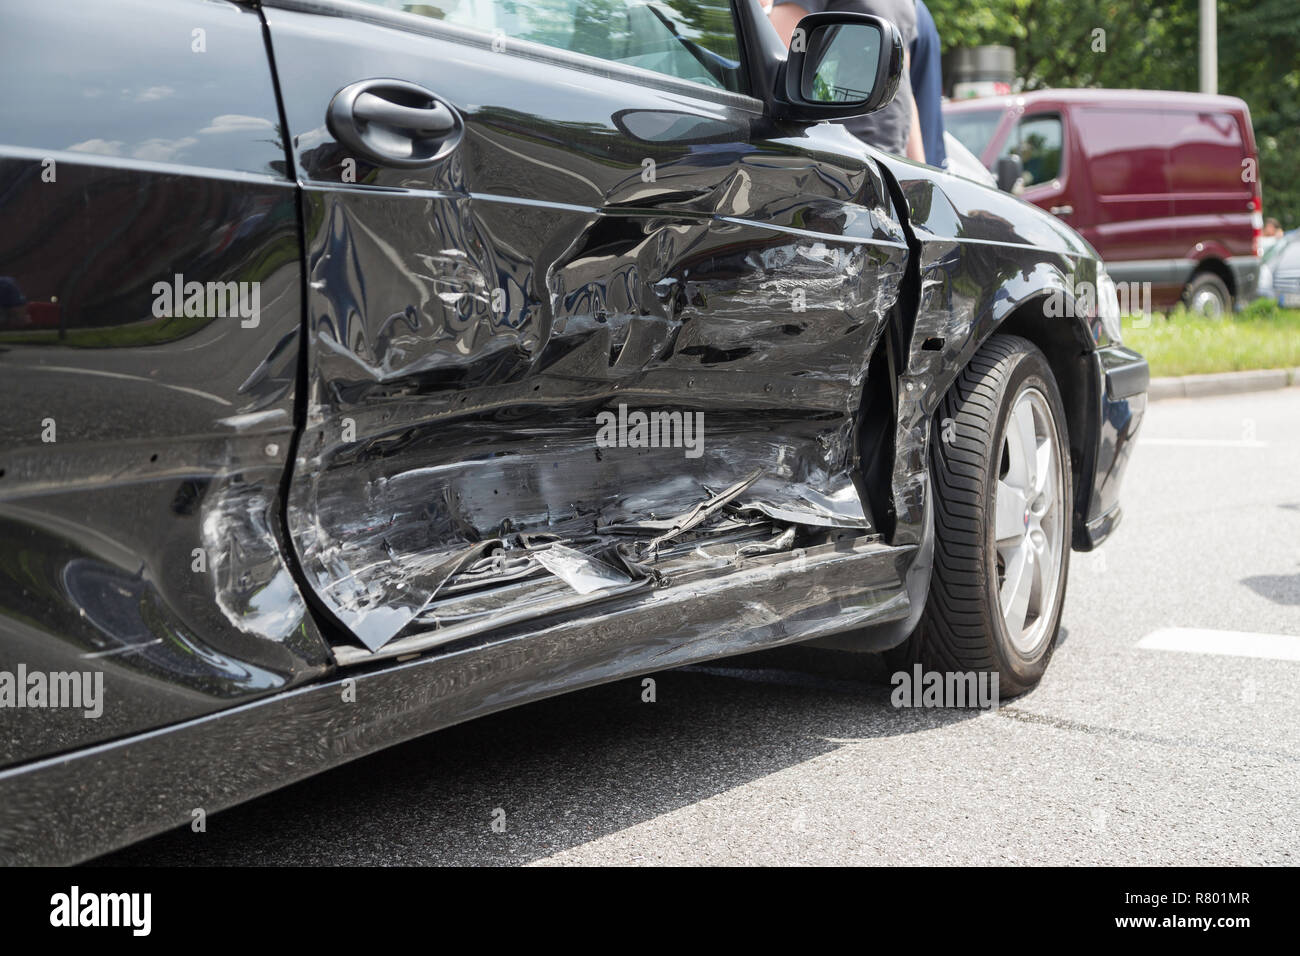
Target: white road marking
1203,442
1192,640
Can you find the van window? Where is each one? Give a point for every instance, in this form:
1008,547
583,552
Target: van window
973,129
694,41
1037,141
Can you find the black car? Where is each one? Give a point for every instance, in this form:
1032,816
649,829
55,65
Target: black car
367,370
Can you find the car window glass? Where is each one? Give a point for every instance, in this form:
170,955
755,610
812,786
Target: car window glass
690,39
1037,141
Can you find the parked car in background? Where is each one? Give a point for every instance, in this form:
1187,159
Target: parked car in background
1164,185
1279,271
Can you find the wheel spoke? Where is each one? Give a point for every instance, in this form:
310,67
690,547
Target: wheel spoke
1022,448
1016,588
1042,571
1046,484
1009,522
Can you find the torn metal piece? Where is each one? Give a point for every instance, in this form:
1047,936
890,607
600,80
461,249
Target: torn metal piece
782,542
808,506
376,625
701,513
579,571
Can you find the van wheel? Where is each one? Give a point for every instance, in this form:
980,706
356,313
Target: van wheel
1002,508
1208,295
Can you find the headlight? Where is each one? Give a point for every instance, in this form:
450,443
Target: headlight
1108,304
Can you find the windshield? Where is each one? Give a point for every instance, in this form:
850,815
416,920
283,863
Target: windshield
974,128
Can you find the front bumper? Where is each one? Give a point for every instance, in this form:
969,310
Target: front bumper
1122,378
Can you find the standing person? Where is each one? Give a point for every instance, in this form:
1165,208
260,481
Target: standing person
895,128
926,74
1271,234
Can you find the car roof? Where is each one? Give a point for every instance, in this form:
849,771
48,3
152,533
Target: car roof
1160,99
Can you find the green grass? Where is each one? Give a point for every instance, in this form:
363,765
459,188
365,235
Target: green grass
147,332
1260,336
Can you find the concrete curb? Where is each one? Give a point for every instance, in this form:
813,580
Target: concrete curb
1223,383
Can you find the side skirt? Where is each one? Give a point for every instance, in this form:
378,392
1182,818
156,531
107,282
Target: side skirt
70,808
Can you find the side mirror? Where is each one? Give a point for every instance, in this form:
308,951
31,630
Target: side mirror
838,65
1010,169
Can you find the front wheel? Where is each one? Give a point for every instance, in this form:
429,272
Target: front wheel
1002,491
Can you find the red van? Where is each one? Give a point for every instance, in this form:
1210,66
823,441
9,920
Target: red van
1164,185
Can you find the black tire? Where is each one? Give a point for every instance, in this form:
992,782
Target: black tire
962,628
1207,284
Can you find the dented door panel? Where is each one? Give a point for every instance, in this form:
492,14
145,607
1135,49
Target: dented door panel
590,252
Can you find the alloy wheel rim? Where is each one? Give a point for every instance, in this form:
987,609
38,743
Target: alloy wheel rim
1028,525
1207,303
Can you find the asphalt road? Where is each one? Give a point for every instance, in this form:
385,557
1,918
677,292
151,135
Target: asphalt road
1125,754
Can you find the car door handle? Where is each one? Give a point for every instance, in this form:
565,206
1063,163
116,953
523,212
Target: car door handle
1062,210
419,121
394,123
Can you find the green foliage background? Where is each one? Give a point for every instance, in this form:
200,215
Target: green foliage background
1155,46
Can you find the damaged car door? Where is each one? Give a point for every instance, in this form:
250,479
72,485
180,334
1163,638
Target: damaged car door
576,306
